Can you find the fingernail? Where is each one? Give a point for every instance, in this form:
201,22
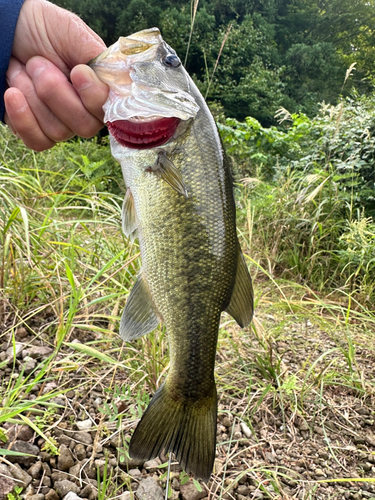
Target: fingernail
17,102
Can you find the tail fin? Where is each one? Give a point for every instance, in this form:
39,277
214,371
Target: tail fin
186,429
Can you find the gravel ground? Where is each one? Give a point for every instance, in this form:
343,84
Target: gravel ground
285,442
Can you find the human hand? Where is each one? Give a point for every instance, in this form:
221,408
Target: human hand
42,105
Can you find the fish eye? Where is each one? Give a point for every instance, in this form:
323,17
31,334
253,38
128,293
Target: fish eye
171,60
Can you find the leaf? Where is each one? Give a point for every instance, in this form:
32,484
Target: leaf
14,453
91,351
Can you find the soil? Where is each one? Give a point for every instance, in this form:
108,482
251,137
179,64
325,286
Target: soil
296,421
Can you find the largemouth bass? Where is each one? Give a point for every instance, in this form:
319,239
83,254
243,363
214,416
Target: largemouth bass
180,203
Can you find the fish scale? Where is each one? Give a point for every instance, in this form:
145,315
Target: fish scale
180,201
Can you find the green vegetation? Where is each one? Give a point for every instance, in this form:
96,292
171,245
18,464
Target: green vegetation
291,53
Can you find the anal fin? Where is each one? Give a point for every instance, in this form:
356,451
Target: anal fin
139,316
241,305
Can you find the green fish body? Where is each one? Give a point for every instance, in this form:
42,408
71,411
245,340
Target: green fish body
180,203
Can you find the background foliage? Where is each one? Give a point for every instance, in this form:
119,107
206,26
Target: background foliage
291,53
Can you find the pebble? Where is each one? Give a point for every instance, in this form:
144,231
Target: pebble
226,422
83,437
28,365
242,489
188,491
80,451
39,351
18,349
49,387
52,495
65,459
245,429
37,496
23,447
126,496
136,473
88,491
35,470
319,472
6,481
152,465
64,487
149,489
72,496
19,432
22,476
84,425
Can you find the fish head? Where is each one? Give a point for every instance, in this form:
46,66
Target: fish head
150,100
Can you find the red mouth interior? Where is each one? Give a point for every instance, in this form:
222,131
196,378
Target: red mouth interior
143,134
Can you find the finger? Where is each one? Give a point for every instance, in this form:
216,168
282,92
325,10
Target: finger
50,125
54,89
23,122
92,91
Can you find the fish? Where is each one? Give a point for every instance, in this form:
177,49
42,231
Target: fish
180,204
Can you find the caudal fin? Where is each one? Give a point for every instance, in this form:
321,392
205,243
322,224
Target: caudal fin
186,429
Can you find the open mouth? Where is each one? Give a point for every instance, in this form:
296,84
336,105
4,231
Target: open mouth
139,134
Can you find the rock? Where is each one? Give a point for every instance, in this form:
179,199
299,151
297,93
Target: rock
22,476
149,489
64,487
152,465
72,496
21,332
227,422
83,437
80,451
18,349
65,459
58,476
20,433
136,473
28,365
37,496
126,496
188,491
6,482
51,495
242,489
89,491
35,470
39,351
49,387
84,425
245,429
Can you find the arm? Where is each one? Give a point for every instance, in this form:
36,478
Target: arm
52,94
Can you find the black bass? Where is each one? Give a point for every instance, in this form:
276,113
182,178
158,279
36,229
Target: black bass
180,203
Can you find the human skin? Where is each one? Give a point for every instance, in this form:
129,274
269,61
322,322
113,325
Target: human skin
52,94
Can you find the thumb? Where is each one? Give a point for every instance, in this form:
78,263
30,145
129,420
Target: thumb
46,30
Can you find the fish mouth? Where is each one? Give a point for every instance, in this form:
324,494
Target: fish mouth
143,134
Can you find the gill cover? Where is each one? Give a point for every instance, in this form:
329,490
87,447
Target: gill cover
145,81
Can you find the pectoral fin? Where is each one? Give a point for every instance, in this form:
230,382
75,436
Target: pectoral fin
129,216
139,317
169,173
241,305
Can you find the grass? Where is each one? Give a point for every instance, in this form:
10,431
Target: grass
65,273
